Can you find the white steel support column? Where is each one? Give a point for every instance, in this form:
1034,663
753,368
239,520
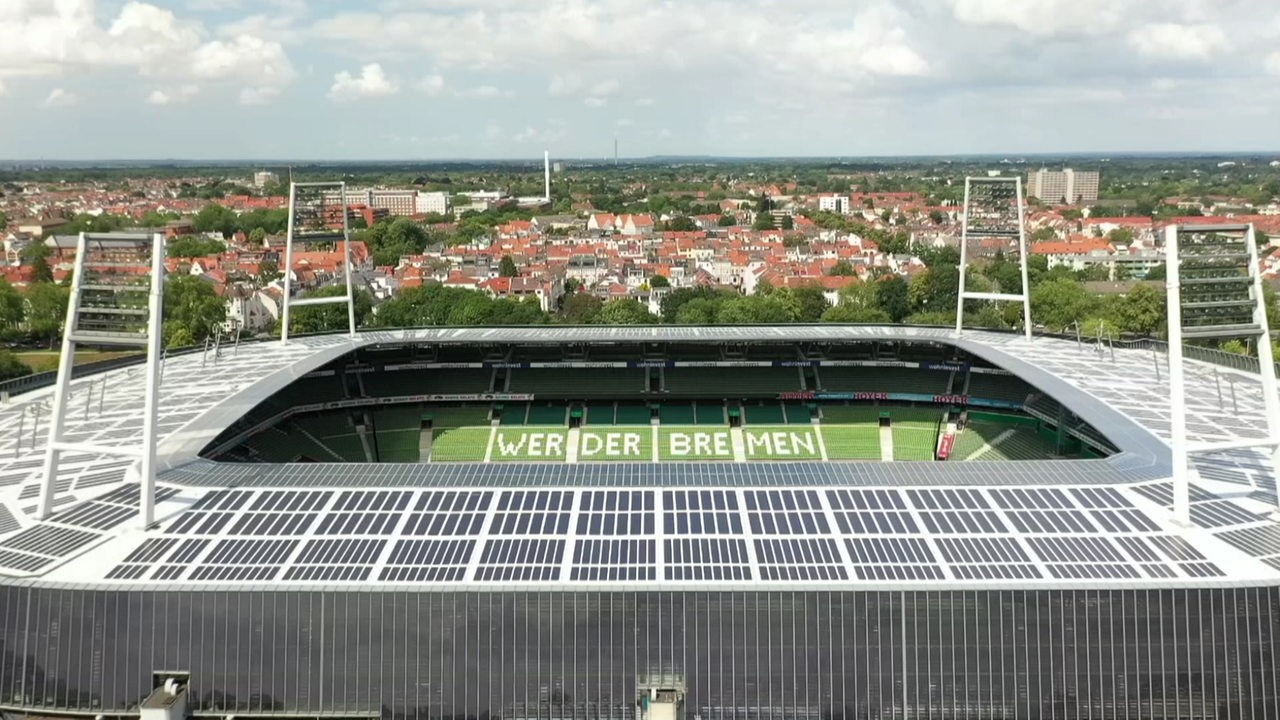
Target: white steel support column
1266,358
1024,249
288,265
1179,458
964,260
53,453
151,397
346,263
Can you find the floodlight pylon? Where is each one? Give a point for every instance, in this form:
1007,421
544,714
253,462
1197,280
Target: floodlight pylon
994,209
1214,292
317,214
117,298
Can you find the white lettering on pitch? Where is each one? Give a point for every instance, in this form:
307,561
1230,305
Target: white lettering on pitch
510,449
680,443
536,444
780,443
555,444
722,444
611,444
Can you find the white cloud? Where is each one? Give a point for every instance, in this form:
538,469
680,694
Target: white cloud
432,84
1173,41
58,97
1272,63
594,102
1045,17
172,97
605,88
565,85
483,92
60,37
258,95
644,102
371,82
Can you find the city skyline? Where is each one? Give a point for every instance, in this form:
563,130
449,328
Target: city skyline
492,79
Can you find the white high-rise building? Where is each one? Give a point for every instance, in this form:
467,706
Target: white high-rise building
433,202
263,178
1067,186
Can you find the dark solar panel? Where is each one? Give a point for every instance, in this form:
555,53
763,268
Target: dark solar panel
50,540
959,522
701,512
785,512
151,550
1221,513
706,559
1075,549
799,559
615,512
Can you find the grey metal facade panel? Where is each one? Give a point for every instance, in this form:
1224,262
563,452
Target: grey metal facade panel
1000,654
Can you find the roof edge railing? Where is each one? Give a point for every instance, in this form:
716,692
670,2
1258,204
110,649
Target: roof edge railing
1245,363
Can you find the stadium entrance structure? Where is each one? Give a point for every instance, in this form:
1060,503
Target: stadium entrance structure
789,588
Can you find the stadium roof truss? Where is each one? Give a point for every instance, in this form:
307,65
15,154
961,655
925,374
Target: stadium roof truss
1215,292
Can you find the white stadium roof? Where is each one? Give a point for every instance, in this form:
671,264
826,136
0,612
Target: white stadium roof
992,525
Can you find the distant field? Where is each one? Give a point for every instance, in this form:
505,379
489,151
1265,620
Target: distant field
45,360
852,442
464,444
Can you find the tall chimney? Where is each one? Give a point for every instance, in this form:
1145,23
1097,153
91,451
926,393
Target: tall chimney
546,172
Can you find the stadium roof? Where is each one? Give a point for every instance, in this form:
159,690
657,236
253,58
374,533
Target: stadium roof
1070,523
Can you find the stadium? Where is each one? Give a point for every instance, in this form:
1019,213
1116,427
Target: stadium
360,543
643,523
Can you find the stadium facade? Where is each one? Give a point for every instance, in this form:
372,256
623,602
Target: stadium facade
719,588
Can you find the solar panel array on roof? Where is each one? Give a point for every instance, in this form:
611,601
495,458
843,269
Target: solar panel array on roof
614,535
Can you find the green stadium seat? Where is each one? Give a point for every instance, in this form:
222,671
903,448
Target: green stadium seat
797,413
763,413
883,379
633,414
426,381
546,415
577,382
708,413
730,382
998,387
676,413
599,413
513,414
850,414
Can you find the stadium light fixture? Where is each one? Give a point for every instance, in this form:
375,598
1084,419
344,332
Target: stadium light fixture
994,210
317,214
1215,292
117,298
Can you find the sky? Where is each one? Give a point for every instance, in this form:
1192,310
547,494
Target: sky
442,79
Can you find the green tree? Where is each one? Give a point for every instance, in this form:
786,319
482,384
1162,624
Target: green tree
11,305
935,290
673,301
190,246
37,255
10,366
844,313
726,220
325,318
810,301
1059,303
1141,311
268,272
46,310
936,217
580,308
1158,272
1043,234
683,223
892,295
257,236
192,308
787,223
659,281
216,218
507,267
625,311
391,239
1122,236
764,221
697,311
756,309
842,268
